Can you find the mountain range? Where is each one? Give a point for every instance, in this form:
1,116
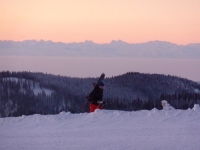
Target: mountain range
152,49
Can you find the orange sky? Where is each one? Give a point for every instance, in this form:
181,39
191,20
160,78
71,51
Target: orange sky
133,21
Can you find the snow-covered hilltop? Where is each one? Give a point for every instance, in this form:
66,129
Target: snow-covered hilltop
106,129
153,49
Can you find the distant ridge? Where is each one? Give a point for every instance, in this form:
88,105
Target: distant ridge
152,49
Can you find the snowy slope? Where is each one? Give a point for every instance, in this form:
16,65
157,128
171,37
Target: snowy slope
36,88
104,130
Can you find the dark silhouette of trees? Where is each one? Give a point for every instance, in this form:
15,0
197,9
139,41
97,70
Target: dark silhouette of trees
27,93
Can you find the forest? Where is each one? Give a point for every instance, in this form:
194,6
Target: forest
27,93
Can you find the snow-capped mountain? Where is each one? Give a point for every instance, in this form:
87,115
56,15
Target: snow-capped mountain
152,49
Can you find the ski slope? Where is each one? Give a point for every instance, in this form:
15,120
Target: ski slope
104,130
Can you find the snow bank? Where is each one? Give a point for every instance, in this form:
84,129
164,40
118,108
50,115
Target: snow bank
106,129
166,105
196,107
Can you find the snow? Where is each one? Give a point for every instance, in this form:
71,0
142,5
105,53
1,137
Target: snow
36,90
104,130
196,91
166,105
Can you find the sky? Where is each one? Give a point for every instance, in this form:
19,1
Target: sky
101,21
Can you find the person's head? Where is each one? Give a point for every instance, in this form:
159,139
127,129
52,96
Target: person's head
101,84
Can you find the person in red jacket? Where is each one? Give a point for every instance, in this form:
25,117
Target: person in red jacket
96,96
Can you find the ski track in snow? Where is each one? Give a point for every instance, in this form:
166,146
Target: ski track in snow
103,130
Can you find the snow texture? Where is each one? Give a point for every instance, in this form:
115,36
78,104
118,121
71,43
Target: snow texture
104,130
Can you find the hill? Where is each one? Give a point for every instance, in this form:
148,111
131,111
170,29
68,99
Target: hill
30,93
152,49
106,129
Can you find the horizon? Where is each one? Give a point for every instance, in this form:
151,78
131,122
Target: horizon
119,40
70,66
101,21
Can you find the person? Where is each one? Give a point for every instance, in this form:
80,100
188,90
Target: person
96,96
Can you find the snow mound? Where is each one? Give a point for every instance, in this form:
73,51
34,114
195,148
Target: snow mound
166,105
196,107
103,129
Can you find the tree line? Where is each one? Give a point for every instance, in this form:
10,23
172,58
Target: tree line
24,93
